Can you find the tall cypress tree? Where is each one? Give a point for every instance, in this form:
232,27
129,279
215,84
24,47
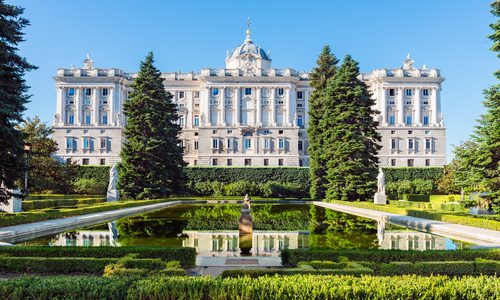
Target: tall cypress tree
350,137
152,163
13,97
325,69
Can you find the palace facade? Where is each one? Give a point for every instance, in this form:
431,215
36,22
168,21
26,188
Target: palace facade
246,114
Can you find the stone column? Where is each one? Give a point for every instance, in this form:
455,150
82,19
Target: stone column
273,106
204,106
400,106
78,106
222,120
383,106
418,108
237,107
95,106
258,119
434,106
111,116
60,106
306,107
291,106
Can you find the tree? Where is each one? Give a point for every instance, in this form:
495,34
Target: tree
13,97
350,136
480,163
45,172
325,69
151,156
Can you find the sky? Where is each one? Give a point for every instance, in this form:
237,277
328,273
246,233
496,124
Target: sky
190,35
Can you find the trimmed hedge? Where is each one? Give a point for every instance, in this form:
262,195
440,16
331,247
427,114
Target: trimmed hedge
32,197
449,268
70,265
255,273
398,174
266,287
291,257
416,198
186,256
48,203
255,175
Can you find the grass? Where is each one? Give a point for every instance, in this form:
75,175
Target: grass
456,217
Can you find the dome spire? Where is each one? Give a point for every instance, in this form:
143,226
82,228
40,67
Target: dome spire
248,30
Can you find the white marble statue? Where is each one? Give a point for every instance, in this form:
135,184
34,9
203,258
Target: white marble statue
112,194
380,197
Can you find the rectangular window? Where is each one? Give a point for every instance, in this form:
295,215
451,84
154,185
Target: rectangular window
411,163
104,143
215,91
68,160
394,144
181,95
196,94
427,162
266,162
408,92
104,118
248,162
281,92
267,143
428,144
69,143
181,121
195,145
88,92
214,162
196,121
281,144
230,143
215,143
102,161
280,162
87,118
85,161
392,92
425,92
299,105
301,145
408,120
248,144
300,122
105,92
229,162
248,91
71,119
393,162
426,120
71,92
392,119
411,144
195,162
86,143
299,95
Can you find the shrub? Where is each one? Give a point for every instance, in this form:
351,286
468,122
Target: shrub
90,186
291,257
398,174
47,203
240,188
416,198
255,273
254,175
186,256
422,186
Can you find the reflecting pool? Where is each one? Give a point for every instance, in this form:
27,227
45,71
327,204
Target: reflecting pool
213,231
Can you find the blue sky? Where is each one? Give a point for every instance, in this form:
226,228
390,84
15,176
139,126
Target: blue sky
190,35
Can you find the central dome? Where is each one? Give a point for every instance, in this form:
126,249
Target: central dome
248,47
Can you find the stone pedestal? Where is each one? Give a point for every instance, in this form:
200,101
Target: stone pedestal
112,195
380,199
15,203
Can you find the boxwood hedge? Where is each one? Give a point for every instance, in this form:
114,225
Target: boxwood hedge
186,256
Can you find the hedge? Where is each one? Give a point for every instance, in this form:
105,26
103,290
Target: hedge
70,265
256,175
449,268
267,287
291,257
398,174
416,198
47,203
186,256
32,197
255,273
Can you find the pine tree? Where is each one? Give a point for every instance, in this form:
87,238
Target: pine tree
326,66
13,97
350,137
152,162
479,165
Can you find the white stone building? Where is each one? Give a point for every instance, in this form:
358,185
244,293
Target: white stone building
246,114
